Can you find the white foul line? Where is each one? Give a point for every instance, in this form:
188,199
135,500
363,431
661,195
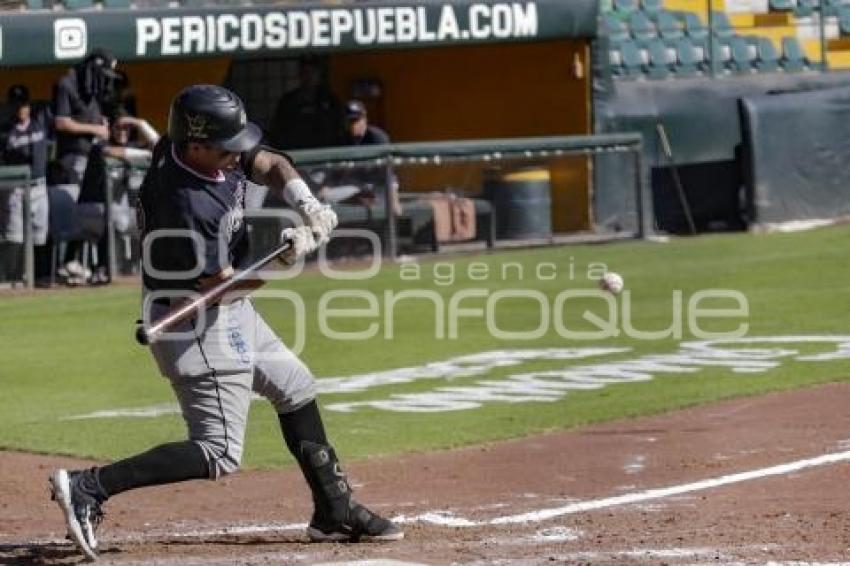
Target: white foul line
446,518
662,492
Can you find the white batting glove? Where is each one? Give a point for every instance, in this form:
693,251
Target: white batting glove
302,240
321,218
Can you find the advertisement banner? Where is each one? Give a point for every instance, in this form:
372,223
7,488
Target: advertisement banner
35,38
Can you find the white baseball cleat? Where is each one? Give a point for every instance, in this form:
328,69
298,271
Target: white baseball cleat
82,511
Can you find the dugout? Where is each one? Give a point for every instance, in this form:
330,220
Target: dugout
458,69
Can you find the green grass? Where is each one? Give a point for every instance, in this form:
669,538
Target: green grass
69,353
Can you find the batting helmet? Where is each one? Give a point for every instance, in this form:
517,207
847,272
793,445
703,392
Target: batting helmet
214,115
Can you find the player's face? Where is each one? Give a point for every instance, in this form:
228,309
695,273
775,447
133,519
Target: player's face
23,112
210,159
225,160
357,128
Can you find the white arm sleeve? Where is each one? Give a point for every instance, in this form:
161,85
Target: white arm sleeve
296,193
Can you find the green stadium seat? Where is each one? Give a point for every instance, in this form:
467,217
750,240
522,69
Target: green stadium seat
606,6
832,7
689,58
642,27
782,5
35,4
721,56
806,8
625,6
661,59
768,58
652,6
78,4
633,59
793,58
615,61
743,56
844,20
722,26
694,28
614,29
669,27
117,4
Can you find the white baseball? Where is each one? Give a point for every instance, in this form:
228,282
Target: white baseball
611,282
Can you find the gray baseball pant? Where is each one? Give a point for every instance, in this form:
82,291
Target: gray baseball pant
215,369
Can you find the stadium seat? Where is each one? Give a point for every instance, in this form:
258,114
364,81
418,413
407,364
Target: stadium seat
117,4
614,29
689,58
767,60
625,6
832,7
669,27
694,27
806,8
35,4
606,6
781,5
633,59
844,20
793,58
742,56
642,27
615,61
652,6
722,26
721,56
661,59
78,4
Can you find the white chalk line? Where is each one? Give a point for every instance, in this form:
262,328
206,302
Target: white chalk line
448,519
659,493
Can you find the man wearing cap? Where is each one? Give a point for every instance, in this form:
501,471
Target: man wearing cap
191,218
358,128
23,141
78,101
364,184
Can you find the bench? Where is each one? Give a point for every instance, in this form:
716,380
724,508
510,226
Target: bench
415,225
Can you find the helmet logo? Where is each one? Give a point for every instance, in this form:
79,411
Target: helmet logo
243,119
197,126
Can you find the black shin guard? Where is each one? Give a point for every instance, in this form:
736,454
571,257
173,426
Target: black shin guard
304,425
331,492
337,516
167,463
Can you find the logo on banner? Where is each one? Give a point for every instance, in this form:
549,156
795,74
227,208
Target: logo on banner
70,38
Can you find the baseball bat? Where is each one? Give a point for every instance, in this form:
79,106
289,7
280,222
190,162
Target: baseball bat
245,280
677,180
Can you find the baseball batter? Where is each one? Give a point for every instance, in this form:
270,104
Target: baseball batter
191,206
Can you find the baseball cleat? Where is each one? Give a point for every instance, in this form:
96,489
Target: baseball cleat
81,510
362,525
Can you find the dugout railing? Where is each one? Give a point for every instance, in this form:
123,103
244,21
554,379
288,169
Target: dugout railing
486,151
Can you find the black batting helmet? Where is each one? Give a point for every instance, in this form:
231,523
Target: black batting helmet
214,115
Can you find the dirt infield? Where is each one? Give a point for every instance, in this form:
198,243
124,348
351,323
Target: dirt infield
587,496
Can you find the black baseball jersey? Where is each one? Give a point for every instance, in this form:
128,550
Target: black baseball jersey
70,102
207,212
25,146
373,136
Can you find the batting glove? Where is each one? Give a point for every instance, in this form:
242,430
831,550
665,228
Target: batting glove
302,243
321,218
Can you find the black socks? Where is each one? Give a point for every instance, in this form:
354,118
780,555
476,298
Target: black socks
167,463
300,425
